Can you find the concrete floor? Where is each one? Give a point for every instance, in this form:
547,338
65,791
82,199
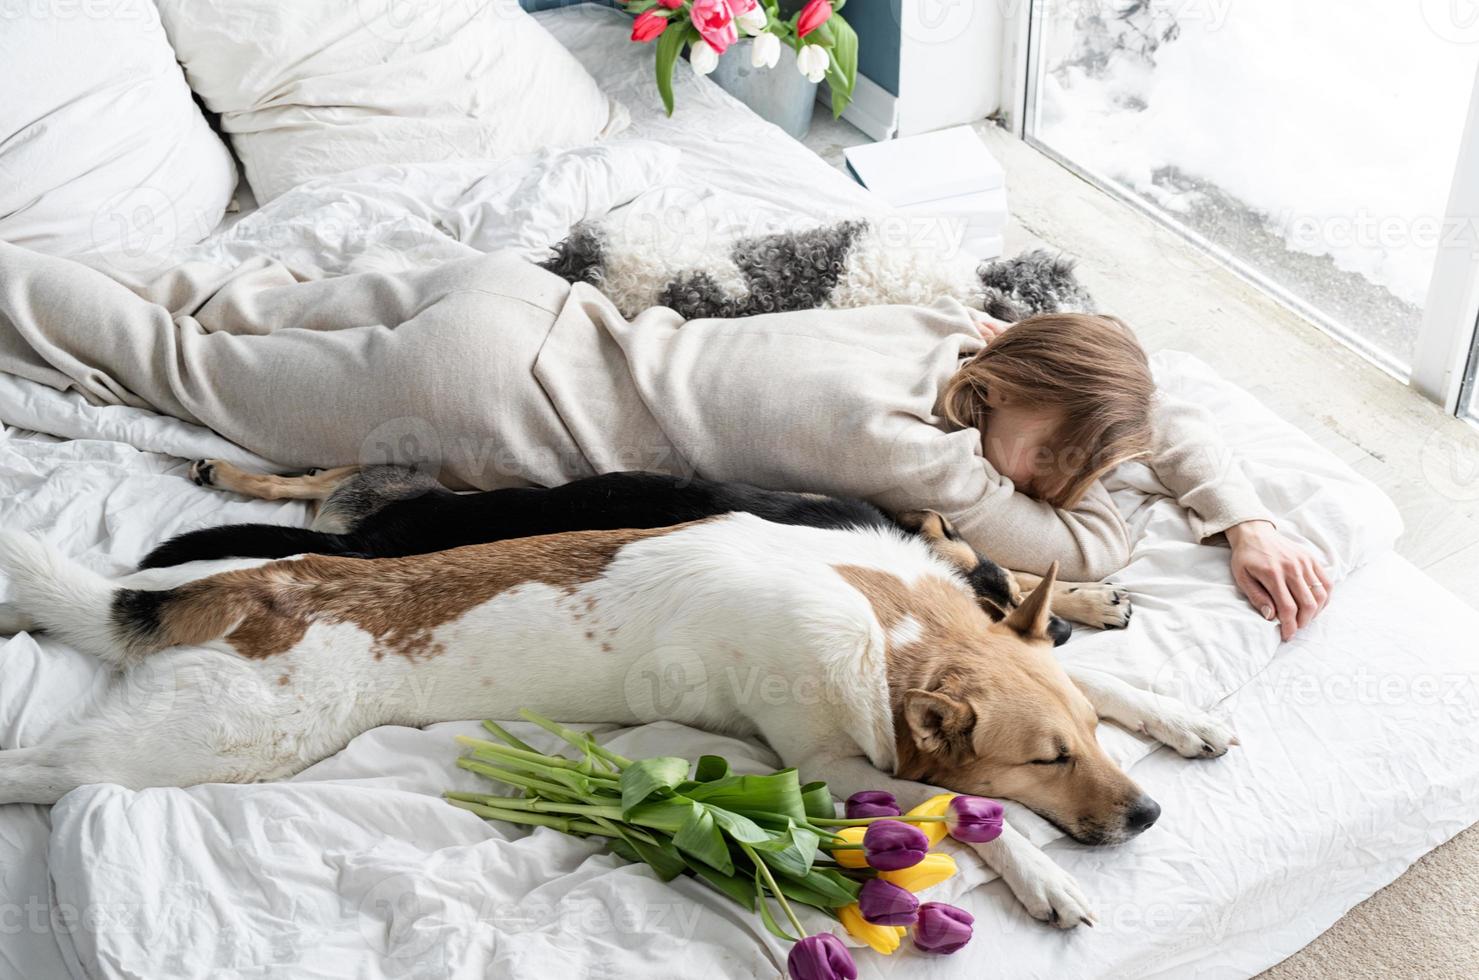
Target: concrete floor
1427,462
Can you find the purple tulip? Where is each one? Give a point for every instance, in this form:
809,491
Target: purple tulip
871,803
821,957
890,845
974,820
942,928
884,903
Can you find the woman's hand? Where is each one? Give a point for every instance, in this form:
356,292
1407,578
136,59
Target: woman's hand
1281,579
990,327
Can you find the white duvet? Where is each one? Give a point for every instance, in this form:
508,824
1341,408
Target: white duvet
1356,754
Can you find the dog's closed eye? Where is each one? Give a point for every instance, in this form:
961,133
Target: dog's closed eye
1061,759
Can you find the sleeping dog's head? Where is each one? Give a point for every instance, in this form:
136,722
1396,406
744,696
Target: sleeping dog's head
984,708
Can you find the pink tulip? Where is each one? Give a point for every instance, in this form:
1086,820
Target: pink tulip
813,15
715,22
739,7
648,26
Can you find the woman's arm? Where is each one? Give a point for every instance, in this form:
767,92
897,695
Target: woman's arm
1090,542
1280,578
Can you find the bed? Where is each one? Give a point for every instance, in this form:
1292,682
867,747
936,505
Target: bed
1355,755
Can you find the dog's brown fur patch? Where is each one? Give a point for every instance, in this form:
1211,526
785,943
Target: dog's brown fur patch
265,611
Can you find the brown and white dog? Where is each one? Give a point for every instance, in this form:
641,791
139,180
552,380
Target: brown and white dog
853,652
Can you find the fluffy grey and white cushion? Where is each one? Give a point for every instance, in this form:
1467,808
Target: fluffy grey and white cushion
654,261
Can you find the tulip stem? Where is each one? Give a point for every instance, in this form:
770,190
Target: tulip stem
564,824
581,740
775,889
507,736
539,806
539,764
529,757
540,786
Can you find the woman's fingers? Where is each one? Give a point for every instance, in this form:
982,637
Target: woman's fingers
1319,583
1304,596
989,327
1285,605
1258,596
1323,576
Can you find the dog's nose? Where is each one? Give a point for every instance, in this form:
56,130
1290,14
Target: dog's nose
1142,815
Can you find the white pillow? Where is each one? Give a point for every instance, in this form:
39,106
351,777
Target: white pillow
309,88
102,149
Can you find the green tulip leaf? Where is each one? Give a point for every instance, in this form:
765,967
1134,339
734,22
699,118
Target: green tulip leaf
711,768
669,45
645,779
701,837
816,799
776,794
792,852
737,889
765,914
842,70
739,827
822,888
662,858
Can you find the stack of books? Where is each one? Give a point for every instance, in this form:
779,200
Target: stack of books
946,177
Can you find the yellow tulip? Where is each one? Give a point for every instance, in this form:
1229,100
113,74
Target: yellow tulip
851,857
885,939
935,806
934,869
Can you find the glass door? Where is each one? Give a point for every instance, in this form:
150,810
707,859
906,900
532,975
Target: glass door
1310,145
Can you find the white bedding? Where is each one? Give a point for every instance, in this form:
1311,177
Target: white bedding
1356,737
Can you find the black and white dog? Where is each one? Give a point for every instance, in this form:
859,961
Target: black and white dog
393,511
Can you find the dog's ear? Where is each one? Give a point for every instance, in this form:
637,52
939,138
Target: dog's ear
938,722
944,540
1031,619
930,524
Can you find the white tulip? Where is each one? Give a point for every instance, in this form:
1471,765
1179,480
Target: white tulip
753,21
703,58
812,61
766,51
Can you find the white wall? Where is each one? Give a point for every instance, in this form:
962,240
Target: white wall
950,62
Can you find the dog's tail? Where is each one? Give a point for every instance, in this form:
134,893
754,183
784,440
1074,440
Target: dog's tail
60,595
95,615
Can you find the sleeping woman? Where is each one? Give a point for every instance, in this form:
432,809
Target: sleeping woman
495,372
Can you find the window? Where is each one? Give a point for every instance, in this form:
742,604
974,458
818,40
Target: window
1310,144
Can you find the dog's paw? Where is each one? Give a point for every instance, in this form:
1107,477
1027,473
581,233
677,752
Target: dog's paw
1191,732
1099,604
203,472
1048,893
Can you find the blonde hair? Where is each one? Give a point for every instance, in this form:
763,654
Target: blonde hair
1089,368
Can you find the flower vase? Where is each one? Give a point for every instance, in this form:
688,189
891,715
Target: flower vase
779,95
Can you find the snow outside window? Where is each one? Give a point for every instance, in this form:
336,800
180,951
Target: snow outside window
1311,142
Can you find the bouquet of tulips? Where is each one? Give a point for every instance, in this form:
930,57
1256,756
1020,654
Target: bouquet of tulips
826,45
758,839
